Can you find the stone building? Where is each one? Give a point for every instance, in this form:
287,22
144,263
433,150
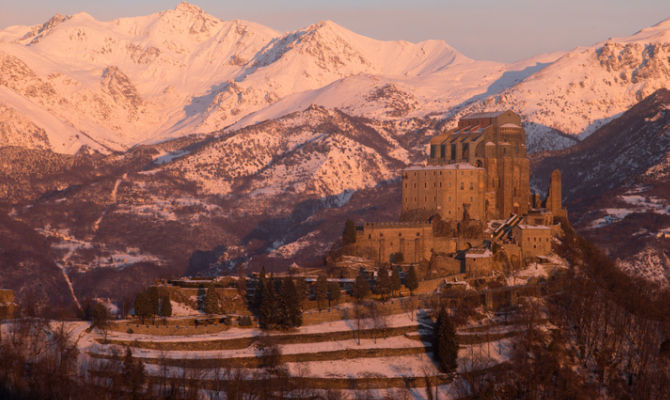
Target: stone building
534,240
496,142
478,262
416,241
475,173
445,189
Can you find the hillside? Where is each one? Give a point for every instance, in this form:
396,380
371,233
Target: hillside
585,88
269,194
616,186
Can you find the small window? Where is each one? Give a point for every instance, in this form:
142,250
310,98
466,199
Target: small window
369,236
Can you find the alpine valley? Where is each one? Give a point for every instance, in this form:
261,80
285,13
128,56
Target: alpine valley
181,144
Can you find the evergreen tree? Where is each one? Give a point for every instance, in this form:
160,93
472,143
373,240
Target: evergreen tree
333,292
349,234
166,306
445,345
260,289
211,300
321,290
361,287
290,304
411,280
268,310
395,280
383,285
141,306
152,300
302,289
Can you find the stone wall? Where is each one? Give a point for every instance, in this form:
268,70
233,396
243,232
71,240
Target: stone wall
6,304
445,189
535,240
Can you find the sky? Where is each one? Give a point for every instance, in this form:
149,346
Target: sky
500,30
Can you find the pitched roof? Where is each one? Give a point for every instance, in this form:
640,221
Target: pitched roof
487,114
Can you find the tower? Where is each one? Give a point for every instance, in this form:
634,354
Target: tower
554,201
495,142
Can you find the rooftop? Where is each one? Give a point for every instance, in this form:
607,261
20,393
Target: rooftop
487,114
441,167
478,253
523,226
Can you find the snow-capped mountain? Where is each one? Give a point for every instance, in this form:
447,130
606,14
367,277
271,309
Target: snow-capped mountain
77,81
242,146
587,87
118,83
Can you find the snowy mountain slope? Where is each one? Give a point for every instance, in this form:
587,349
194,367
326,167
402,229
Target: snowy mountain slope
182,71
585,88
270,194
128,80
617,188
315,153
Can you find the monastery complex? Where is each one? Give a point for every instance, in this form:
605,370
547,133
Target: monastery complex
469,210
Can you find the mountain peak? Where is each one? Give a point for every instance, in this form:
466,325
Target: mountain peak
189,8
659,32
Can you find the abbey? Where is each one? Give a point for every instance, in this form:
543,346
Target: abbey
473,191
493,146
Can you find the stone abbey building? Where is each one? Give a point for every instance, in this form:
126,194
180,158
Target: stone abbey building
476,174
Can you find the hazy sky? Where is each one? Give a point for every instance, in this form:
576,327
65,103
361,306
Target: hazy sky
503,30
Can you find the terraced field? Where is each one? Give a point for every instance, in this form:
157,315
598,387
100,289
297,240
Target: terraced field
393,351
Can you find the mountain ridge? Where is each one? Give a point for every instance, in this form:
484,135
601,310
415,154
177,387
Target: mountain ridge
197,74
